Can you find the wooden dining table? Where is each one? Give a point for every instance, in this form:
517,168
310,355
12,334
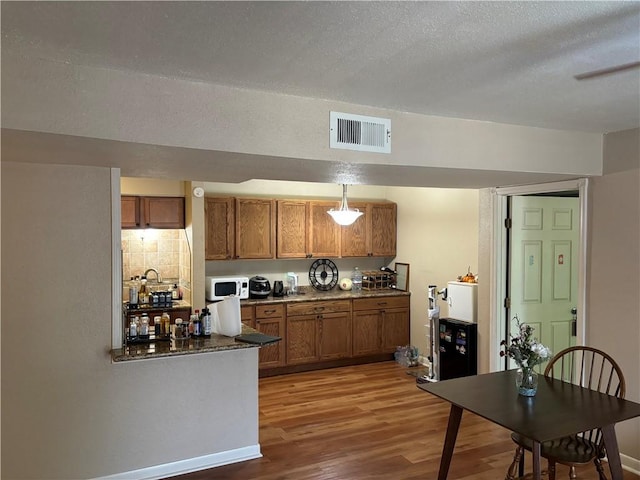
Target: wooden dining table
558,409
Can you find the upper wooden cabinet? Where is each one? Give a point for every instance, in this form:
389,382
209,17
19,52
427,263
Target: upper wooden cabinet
265,228
324,233
219,243
292,226
255,228
374,233
152,212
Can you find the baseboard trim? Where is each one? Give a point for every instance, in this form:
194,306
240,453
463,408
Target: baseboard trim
630,464
189,465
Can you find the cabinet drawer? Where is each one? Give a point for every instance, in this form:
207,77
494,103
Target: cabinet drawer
377,303
269,311
318,307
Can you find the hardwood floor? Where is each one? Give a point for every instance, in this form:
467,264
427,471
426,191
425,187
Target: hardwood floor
367,422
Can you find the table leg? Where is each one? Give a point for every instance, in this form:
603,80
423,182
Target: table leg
455,415
613,455
535,450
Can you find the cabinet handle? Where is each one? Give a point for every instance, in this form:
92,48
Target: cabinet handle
269,312
318,309
382,303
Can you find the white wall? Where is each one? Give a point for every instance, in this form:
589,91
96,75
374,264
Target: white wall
67,411
438,237
614,270
118,105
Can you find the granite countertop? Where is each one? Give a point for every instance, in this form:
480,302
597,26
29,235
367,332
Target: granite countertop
171,348
308,294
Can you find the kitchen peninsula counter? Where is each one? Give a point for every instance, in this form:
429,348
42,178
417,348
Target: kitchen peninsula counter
310,294
172,348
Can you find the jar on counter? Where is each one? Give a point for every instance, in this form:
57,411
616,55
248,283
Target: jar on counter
133,327
144,326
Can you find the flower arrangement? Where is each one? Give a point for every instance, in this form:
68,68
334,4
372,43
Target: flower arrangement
524,347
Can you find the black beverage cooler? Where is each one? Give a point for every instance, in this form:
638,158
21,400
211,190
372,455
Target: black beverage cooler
457,349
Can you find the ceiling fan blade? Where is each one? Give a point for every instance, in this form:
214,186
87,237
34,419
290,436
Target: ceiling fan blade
607,71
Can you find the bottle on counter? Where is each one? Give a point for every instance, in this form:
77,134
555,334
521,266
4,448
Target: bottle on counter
166,324
133,292
197,325
157,325
356,280
175,293
143,295
206,322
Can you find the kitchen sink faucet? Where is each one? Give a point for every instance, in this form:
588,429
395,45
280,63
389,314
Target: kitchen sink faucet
158,277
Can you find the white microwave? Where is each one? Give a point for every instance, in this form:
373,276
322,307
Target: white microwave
219,287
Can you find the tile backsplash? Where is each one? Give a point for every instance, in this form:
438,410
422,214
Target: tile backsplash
168,251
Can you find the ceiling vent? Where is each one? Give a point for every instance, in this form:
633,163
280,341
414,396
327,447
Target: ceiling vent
357,132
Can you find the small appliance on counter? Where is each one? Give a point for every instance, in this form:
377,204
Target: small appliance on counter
259,287
278,288
217,288
292,283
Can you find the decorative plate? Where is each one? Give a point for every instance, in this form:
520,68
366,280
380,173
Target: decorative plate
323,274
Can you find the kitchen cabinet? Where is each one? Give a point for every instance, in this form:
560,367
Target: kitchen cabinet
318,331
270,321
219,217
292,229
255,228
374,234
380,324
247,316
152,212
323,232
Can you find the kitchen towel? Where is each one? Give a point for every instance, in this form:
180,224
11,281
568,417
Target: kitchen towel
226,319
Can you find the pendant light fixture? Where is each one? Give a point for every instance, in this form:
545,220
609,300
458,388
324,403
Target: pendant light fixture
344,216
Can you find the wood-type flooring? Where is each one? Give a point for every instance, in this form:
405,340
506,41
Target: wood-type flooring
367,422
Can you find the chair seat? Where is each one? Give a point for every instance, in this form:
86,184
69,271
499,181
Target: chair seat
570,449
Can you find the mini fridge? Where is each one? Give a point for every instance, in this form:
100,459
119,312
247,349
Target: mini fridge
457,348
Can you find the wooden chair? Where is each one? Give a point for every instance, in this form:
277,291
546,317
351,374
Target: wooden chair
589,368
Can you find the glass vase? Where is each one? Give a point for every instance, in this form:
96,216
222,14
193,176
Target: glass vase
527,381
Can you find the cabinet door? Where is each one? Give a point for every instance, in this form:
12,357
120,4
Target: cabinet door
163,212
272,355
247,316
395,328
219,228
324,233
255,228
302,339
292,229
366,333
356,237
335,335
383,229
130,212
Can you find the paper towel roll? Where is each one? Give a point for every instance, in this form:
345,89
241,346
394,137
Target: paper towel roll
229,321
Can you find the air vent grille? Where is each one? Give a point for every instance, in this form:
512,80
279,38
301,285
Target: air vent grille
357,132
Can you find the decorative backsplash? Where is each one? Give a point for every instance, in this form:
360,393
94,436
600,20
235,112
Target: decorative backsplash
167,251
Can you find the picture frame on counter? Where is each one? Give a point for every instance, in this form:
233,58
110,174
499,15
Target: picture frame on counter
402,277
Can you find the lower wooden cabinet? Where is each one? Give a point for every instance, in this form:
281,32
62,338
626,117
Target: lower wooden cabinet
247,316
318,331
380,324
270,321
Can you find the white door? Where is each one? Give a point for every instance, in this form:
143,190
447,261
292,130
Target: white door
543,265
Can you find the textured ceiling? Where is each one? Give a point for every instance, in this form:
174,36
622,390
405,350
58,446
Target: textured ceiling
508,62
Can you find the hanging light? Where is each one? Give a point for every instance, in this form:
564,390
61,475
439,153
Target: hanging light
344,216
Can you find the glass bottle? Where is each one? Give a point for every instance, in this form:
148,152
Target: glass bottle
356,280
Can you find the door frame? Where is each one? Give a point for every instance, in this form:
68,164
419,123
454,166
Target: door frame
499,260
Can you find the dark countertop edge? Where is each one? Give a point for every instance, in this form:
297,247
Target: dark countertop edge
316,295
118,355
